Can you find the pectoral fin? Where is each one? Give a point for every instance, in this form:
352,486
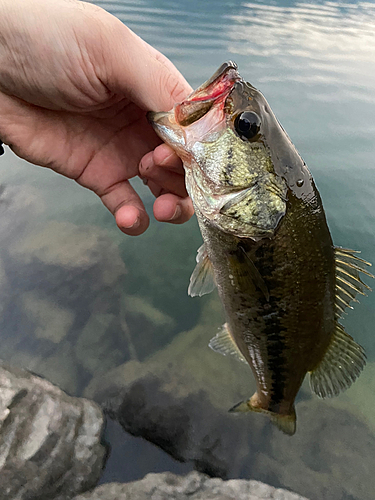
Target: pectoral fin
224,344
246,273
202,280
340,366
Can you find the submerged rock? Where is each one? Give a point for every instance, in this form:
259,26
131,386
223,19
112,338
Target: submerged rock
20,207
179,397
65,313
146,326
360,397
75,261
99,347
331,458
65,282
194,486
51,322
50,443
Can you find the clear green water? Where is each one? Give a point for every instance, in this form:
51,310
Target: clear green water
315,63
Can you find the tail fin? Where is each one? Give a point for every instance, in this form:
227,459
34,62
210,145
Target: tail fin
286,423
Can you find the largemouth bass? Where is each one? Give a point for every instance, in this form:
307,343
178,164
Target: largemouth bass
267,246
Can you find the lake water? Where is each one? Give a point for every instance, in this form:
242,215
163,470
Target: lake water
75,319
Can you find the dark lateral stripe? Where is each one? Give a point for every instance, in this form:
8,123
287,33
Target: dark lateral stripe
276,358
276,349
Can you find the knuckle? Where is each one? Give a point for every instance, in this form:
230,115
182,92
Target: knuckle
174,87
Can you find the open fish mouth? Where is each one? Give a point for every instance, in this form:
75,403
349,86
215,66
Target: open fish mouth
213,92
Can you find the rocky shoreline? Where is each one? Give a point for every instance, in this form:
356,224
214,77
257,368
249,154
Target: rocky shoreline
51,449
193,486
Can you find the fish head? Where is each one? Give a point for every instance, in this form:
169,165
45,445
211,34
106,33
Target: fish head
238,160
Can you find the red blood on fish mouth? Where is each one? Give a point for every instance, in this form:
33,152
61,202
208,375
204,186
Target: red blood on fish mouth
201,100
217,88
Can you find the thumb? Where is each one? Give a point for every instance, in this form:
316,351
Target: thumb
141,73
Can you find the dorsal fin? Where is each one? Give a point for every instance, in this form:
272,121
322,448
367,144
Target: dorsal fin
348,281
202,280
340,366
224,344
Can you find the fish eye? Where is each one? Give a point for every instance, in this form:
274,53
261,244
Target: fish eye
247,125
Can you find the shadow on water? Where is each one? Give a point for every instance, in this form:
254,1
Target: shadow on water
108,316
133,457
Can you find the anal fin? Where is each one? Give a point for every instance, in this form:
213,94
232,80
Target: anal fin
223,343
202,280
340,366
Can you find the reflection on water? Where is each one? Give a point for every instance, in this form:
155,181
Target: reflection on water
317,44
79,313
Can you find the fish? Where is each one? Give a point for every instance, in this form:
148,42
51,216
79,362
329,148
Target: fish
266,247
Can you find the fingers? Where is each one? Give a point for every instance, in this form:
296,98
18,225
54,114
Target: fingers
131,220
163,171
172,208
125,204
162,178
165,157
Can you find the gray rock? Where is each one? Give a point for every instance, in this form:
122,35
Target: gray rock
81,259
20,207
95,347
179,397
131,458
64,312
60,368
66,281
146,326
50,443
331,457
194,486
51,321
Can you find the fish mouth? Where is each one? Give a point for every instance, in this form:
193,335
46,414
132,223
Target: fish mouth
215,89
212,92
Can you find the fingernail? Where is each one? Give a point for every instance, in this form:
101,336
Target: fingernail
177,213
146,162
134,225
165,160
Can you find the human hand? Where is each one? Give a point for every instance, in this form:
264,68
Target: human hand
75,86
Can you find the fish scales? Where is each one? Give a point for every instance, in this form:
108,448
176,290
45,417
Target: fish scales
270,327
267,246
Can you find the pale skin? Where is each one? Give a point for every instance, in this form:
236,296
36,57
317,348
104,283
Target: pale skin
75,87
